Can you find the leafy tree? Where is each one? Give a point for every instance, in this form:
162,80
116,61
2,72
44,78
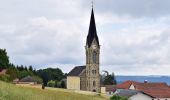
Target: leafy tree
11,65
21,68
48,74
24,73
37,79
30,68
108,80
25,68
114,79
4,59
115,97
13,72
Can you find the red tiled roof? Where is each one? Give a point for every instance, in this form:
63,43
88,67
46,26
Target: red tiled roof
125,85
158,93
157,90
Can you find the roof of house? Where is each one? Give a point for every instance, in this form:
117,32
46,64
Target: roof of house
156,90
76,71
27,79
125,85
126,92
92,34
3,71
139,85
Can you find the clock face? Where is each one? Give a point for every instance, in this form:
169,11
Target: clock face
94,46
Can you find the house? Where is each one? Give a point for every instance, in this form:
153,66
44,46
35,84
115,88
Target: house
156,91
75,78
133,94
26,81
15,80
3,71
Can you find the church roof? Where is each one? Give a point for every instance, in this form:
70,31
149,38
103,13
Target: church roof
92,34
76,71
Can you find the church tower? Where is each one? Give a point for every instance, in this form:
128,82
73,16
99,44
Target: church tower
92,57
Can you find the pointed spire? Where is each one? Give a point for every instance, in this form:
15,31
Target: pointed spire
92,4
92,34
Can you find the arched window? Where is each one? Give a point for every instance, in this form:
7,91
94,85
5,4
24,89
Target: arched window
95,72
87,83
94,57
94,83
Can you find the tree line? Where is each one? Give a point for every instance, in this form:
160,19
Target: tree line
45,76
53,77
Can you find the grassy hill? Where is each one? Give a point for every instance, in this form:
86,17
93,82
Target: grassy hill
13,92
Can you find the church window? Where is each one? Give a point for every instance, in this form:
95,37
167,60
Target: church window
94,57
94,83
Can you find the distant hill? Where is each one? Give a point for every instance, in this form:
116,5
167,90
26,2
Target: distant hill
166,79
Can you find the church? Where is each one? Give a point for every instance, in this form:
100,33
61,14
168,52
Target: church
87,78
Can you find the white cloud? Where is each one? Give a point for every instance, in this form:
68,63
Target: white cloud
53,33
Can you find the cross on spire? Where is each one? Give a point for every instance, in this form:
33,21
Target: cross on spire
92,3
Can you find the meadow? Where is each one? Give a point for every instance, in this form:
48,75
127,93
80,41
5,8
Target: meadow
12,92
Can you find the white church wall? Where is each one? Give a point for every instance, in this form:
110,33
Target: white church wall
73,82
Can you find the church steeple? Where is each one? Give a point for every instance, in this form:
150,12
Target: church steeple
92,34
92,58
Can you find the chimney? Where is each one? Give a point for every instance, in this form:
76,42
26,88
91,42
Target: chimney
146,81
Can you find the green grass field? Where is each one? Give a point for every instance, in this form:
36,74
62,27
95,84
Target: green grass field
13,92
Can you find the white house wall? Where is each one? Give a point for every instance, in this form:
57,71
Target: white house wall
140,96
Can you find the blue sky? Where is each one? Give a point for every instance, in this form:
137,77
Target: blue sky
134,34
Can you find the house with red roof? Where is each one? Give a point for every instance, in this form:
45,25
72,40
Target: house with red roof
152,91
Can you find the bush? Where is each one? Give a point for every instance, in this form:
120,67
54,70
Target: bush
13,72
63,85
37,79
51,83
115,97
5,78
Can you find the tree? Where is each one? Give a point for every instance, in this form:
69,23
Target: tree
4,59
30,68
25,68
114,78
48,74
63,85
108,80
37,79
23,74
13,72
43,87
